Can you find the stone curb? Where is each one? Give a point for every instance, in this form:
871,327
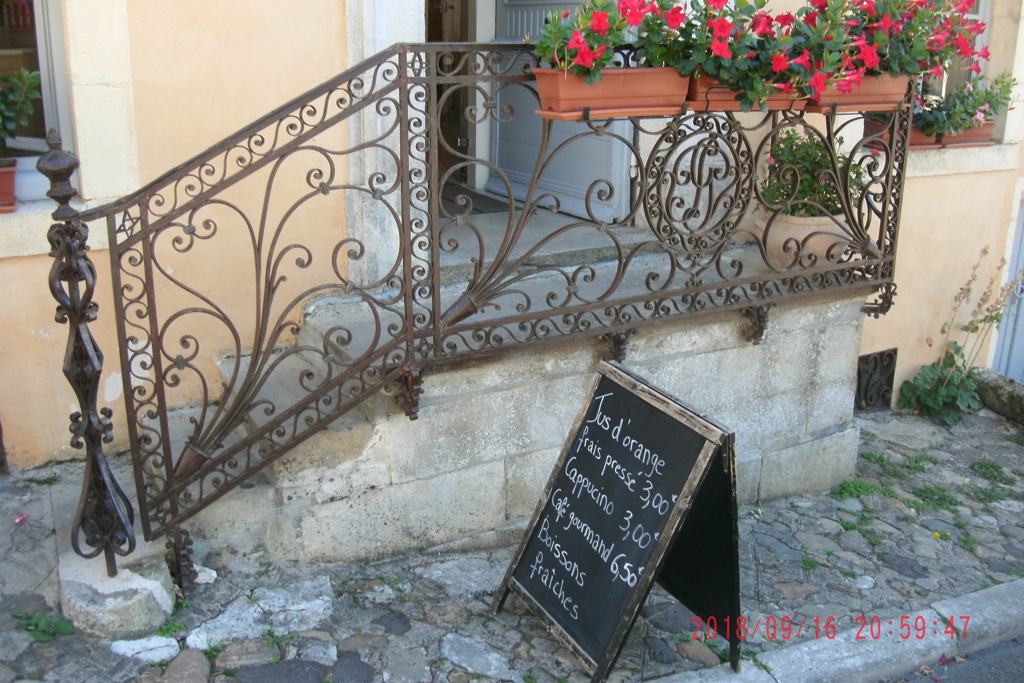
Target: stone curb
996,614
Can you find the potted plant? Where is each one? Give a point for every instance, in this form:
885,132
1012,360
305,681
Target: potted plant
611,55
885,42
966,115
805,191
16,94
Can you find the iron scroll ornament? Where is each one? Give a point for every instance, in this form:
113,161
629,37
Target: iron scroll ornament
104,518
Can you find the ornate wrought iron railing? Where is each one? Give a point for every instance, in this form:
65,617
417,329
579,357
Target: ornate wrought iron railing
352,206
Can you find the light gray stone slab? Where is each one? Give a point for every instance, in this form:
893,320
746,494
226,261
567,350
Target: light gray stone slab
845,658
477,657
996,614
154,649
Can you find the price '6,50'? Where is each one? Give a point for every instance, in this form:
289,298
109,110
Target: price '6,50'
624,571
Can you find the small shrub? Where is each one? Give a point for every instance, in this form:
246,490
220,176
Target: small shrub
946,389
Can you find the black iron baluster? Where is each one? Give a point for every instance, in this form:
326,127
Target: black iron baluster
105,516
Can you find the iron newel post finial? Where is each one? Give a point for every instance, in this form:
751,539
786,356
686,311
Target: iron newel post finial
105,516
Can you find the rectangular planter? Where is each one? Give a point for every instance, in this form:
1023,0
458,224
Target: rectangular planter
971,137
876,93
646,91
8,169
708,94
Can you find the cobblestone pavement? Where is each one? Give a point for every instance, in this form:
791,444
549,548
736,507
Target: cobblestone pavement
935,513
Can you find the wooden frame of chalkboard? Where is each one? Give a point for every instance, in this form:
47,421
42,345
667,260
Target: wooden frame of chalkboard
643,490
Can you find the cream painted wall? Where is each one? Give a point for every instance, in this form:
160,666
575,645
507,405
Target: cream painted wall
203,70
939,241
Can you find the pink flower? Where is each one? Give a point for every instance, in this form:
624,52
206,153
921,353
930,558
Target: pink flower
769,159
21,519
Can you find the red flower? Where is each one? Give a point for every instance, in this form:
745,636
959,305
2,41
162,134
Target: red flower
720,48
785,20
779,63
964,46
761,24
721,28
578,42
599,23
803,60
717,4
675,17
869,55
867,6
585,57
975,67
886,24
983,53
817,82
788,89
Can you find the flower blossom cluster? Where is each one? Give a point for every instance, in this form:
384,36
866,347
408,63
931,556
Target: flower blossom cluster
826,44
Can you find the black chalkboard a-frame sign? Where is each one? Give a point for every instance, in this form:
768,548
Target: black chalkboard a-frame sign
644,489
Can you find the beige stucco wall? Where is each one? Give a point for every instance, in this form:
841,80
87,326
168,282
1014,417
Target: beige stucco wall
948,216
152,84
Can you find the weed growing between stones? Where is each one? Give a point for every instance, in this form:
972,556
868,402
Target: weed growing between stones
808,562
937,497
854,488
1017,439
212,652
43,627
992,471
170,628
983,495
43,481
919,463
946,388
968,543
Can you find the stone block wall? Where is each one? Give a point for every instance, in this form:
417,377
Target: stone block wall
470,471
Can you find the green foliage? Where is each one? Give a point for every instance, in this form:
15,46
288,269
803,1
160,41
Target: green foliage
44,628
43,481
170,628
967,106
918,463
529,678
270,637
800,177
992,471
16,94
938,497
808,562
944,389
983,495
212,652
1015,438
968,543
854,488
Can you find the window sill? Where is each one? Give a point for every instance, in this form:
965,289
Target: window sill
23,231
962,160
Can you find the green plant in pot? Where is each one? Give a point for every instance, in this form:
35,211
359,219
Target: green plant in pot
805,188
17,91
968,106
